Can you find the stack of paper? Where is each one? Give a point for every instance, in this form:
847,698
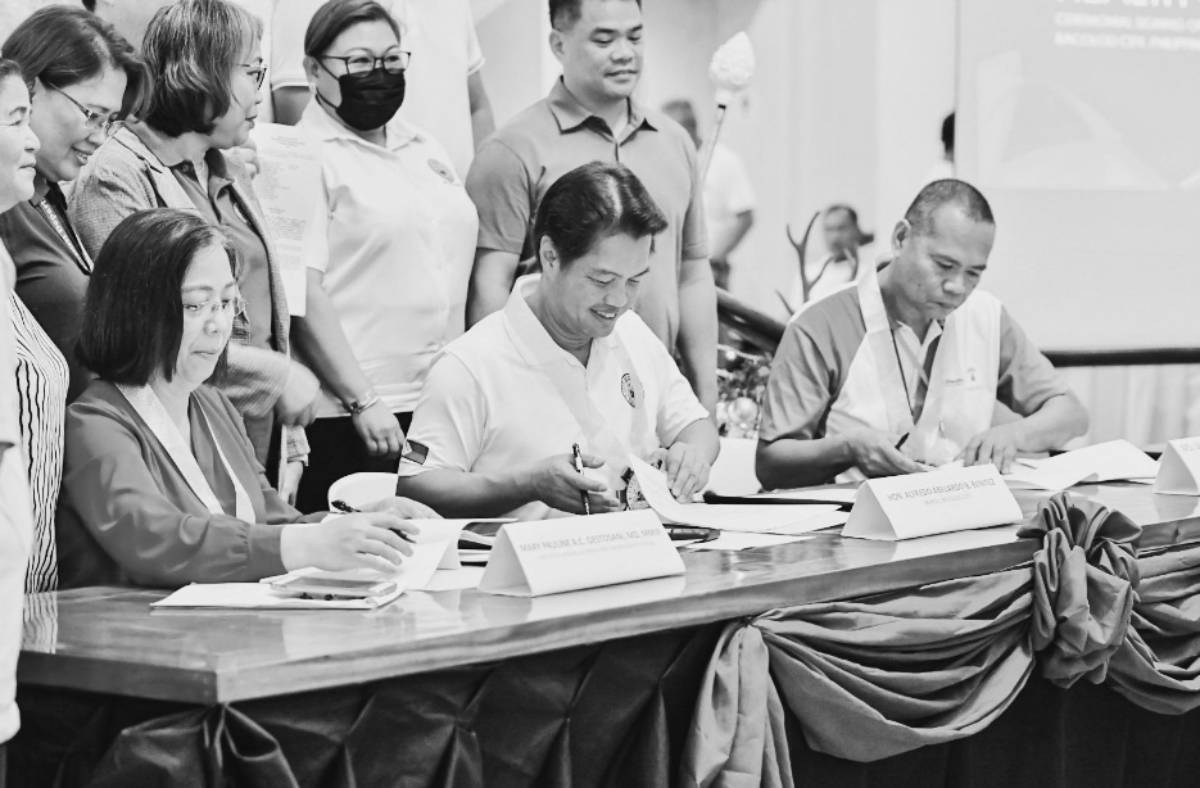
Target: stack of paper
748,518
417,571
1112,461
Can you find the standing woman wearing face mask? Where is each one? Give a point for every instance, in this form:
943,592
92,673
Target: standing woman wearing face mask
401,233
207,66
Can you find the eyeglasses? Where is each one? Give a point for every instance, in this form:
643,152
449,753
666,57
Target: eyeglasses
394,61
233,305
92,120
256,70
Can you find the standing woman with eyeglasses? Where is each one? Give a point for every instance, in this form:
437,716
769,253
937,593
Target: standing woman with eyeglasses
207,67
83,76
400,231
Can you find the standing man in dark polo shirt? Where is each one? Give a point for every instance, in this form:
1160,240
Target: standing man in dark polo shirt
588,116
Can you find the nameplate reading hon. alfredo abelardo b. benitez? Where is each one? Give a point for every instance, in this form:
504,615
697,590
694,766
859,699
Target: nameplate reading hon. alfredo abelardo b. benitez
937,502
573,553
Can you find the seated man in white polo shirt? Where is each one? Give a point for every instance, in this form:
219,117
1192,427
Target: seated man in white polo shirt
904,370
565,362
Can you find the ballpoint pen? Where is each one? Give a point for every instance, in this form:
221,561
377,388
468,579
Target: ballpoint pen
341,506
577,456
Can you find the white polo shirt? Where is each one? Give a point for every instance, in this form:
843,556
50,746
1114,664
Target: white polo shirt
505,396
401,239
445,51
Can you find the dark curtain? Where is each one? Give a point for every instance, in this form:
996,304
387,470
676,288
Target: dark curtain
609,714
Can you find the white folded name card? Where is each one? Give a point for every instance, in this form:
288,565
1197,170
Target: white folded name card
572,553
937,502
1179,469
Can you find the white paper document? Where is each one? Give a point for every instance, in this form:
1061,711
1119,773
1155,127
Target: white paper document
760,518
1111,461
573,553
744,541
1179,468
816,495
289,188
936,502
749,518
260,596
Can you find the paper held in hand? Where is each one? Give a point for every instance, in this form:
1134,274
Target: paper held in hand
573,553
937,502
1110,461
1179,468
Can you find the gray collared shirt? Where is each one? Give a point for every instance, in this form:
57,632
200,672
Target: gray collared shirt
516,165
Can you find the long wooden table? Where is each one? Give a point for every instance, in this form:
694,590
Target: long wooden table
107,640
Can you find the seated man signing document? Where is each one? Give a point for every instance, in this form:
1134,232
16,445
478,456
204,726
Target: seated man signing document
565,362
903,370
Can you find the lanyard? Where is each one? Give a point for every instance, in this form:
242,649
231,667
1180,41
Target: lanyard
51,214
937,343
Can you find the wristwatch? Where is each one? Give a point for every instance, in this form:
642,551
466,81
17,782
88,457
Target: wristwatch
358,405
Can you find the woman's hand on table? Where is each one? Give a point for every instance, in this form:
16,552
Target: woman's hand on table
364,540
379,431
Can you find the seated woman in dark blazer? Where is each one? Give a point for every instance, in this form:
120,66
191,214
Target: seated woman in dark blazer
161,486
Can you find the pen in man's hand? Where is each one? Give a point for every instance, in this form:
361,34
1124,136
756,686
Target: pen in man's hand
900,442
577,456
339,505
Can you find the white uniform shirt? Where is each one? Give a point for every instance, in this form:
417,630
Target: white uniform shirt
16,513
505,396
445,51
727,192
401,239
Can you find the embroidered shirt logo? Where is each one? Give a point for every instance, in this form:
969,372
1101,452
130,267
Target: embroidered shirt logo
629,390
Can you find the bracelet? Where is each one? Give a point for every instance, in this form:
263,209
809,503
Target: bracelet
357,406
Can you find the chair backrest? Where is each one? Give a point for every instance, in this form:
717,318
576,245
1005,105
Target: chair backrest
359,489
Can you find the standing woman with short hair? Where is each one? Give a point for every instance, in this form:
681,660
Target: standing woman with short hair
85,79
400,235
207,68
18,145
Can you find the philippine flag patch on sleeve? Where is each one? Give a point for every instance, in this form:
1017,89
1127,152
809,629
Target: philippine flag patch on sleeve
415,451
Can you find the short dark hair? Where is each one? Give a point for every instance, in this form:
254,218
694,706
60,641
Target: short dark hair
10,68
133,312
947,191
336,17
61,45
591,202
948,133
191,47
565,13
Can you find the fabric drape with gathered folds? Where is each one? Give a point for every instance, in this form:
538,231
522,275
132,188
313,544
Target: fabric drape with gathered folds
877,677
1158,664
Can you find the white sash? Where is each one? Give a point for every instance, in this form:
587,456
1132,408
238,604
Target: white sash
961,394
147,405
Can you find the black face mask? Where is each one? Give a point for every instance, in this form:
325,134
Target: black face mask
369,100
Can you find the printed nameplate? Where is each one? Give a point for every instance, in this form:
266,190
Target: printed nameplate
937,502
573,553
1179,469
